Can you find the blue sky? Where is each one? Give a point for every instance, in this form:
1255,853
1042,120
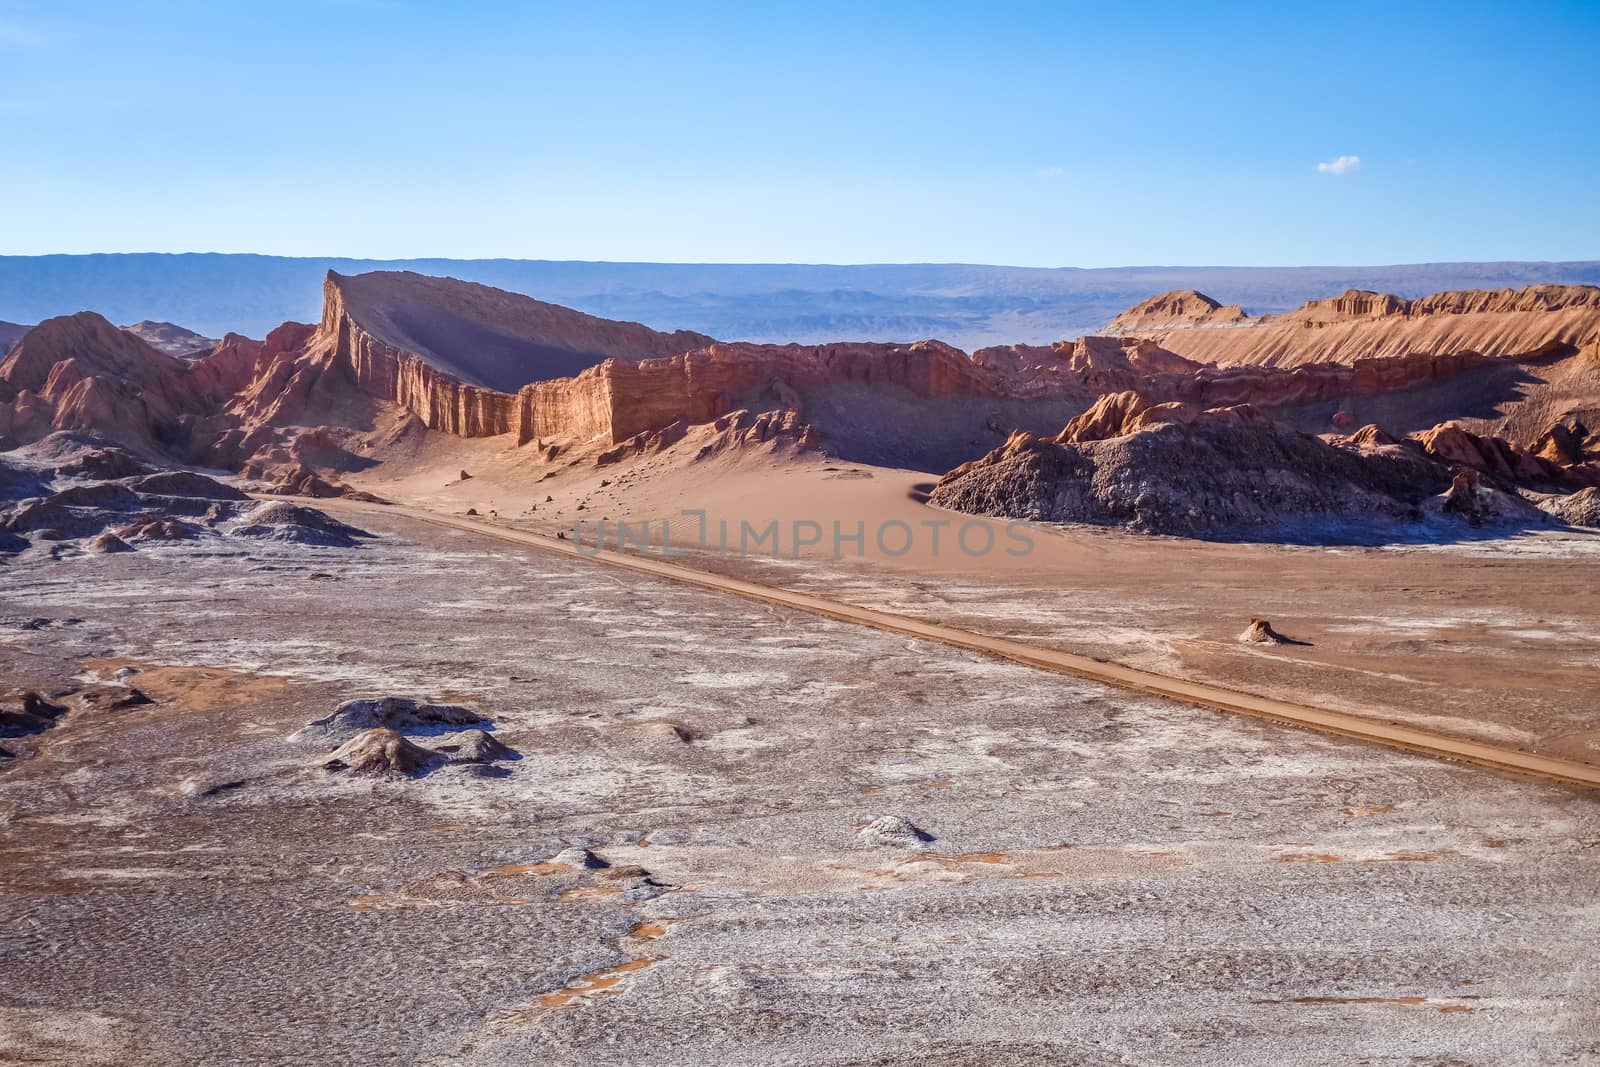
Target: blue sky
1058,134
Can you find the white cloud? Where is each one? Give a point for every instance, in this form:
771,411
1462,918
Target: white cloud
1051,172
1342,165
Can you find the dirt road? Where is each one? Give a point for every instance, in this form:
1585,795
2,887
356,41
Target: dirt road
1201,694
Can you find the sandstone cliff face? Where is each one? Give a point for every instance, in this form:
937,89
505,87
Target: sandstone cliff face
618,400
486,337
1503,323
390,344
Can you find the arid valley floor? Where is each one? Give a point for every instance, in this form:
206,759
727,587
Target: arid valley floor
325,739
1104,879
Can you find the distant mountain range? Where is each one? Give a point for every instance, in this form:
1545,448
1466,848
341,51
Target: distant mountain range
966,305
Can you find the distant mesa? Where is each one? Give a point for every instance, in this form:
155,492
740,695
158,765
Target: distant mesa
172,339
1175,309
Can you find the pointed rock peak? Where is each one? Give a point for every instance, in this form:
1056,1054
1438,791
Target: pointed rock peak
379,753
1177,307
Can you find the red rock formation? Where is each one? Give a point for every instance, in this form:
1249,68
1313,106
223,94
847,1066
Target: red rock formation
1530,322
1453,444
1180,307
1119,414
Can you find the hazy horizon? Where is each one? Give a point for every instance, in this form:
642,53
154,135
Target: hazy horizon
968,305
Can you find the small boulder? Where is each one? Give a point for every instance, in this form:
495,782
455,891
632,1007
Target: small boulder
1260,632
478,746
892,831
579,859
108,543
1467,496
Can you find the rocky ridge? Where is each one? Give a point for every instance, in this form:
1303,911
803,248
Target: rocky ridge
1528,323
466,360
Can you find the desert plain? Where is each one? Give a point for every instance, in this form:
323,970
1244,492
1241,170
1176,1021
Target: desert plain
296,772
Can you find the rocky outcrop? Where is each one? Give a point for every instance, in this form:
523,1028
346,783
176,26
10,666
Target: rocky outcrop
1454,444
892,831
472,361
24,713
396,713
745,431
72,501
380,753
1260,632
1220,474
1576,509
477,746
1119,414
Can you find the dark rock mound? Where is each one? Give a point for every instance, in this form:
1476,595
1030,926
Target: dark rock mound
279,520
186,483
108,495
395,713
30,713
103,464
477,746
380,753
1212,477
110,698
1576,509
20,482
50,520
